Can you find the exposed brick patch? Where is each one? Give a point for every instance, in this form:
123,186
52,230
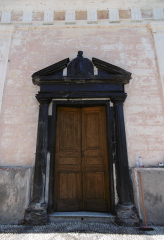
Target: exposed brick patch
37,16
147,13
17,16
104,14
81,15
59,15
125,14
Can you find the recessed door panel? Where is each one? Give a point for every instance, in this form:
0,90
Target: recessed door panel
94,182
68,186
92,130
69,129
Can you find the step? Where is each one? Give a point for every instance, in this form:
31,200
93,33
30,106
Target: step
81,216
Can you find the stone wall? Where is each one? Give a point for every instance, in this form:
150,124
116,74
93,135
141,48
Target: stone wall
14,192
152,184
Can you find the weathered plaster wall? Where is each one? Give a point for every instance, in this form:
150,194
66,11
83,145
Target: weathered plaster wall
131,48
80,4
14,192
144,107
157,30
5,40
153,185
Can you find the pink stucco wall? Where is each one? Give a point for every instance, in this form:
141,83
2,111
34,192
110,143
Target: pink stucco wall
131,48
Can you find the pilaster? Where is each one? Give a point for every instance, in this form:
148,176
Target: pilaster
125,210
36,213
157,29
6,32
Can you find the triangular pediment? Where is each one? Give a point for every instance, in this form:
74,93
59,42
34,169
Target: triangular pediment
79,69
109,68
52,70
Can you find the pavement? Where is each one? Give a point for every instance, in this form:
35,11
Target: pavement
78,230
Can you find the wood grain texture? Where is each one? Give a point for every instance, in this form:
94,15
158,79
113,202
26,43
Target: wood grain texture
81,172
68,160
94,148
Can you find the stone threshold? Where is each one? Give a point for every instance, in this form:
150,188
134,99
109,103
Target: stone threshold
81,216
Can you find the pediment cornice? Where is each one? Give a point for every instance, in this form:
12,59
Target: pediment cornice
80,70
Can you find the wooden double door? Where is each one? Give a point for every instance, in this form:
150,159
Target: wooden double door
81,160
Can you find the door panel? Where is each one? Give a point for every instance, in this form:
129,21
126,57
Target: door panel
68,160
81,160
95,185
95,160
67,186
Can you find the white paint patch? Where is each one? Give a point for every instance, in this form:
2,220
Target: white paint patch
91,15
95,70
158,13
113,14
47,177
50,109
106,47
65,72
6,17
142,64
115,184
136,14
48,16
70,15
16,42
79,99
27,16
124,55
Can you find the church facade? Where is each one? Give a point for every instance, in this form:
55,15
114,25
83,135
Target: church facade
81,98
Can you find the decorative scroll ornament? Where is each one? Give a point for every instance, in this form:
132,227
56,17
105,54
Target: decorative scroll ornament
80,66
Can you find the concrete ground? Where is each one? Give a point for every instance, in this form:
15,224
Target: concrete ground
78,230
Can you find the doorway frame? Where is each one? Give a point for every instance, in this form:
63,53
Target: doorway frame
72,90
79,103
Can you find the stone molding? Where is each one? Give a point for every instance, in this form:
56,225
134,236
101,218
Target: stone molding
114,14
118,99
156,27
32,5
6,30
